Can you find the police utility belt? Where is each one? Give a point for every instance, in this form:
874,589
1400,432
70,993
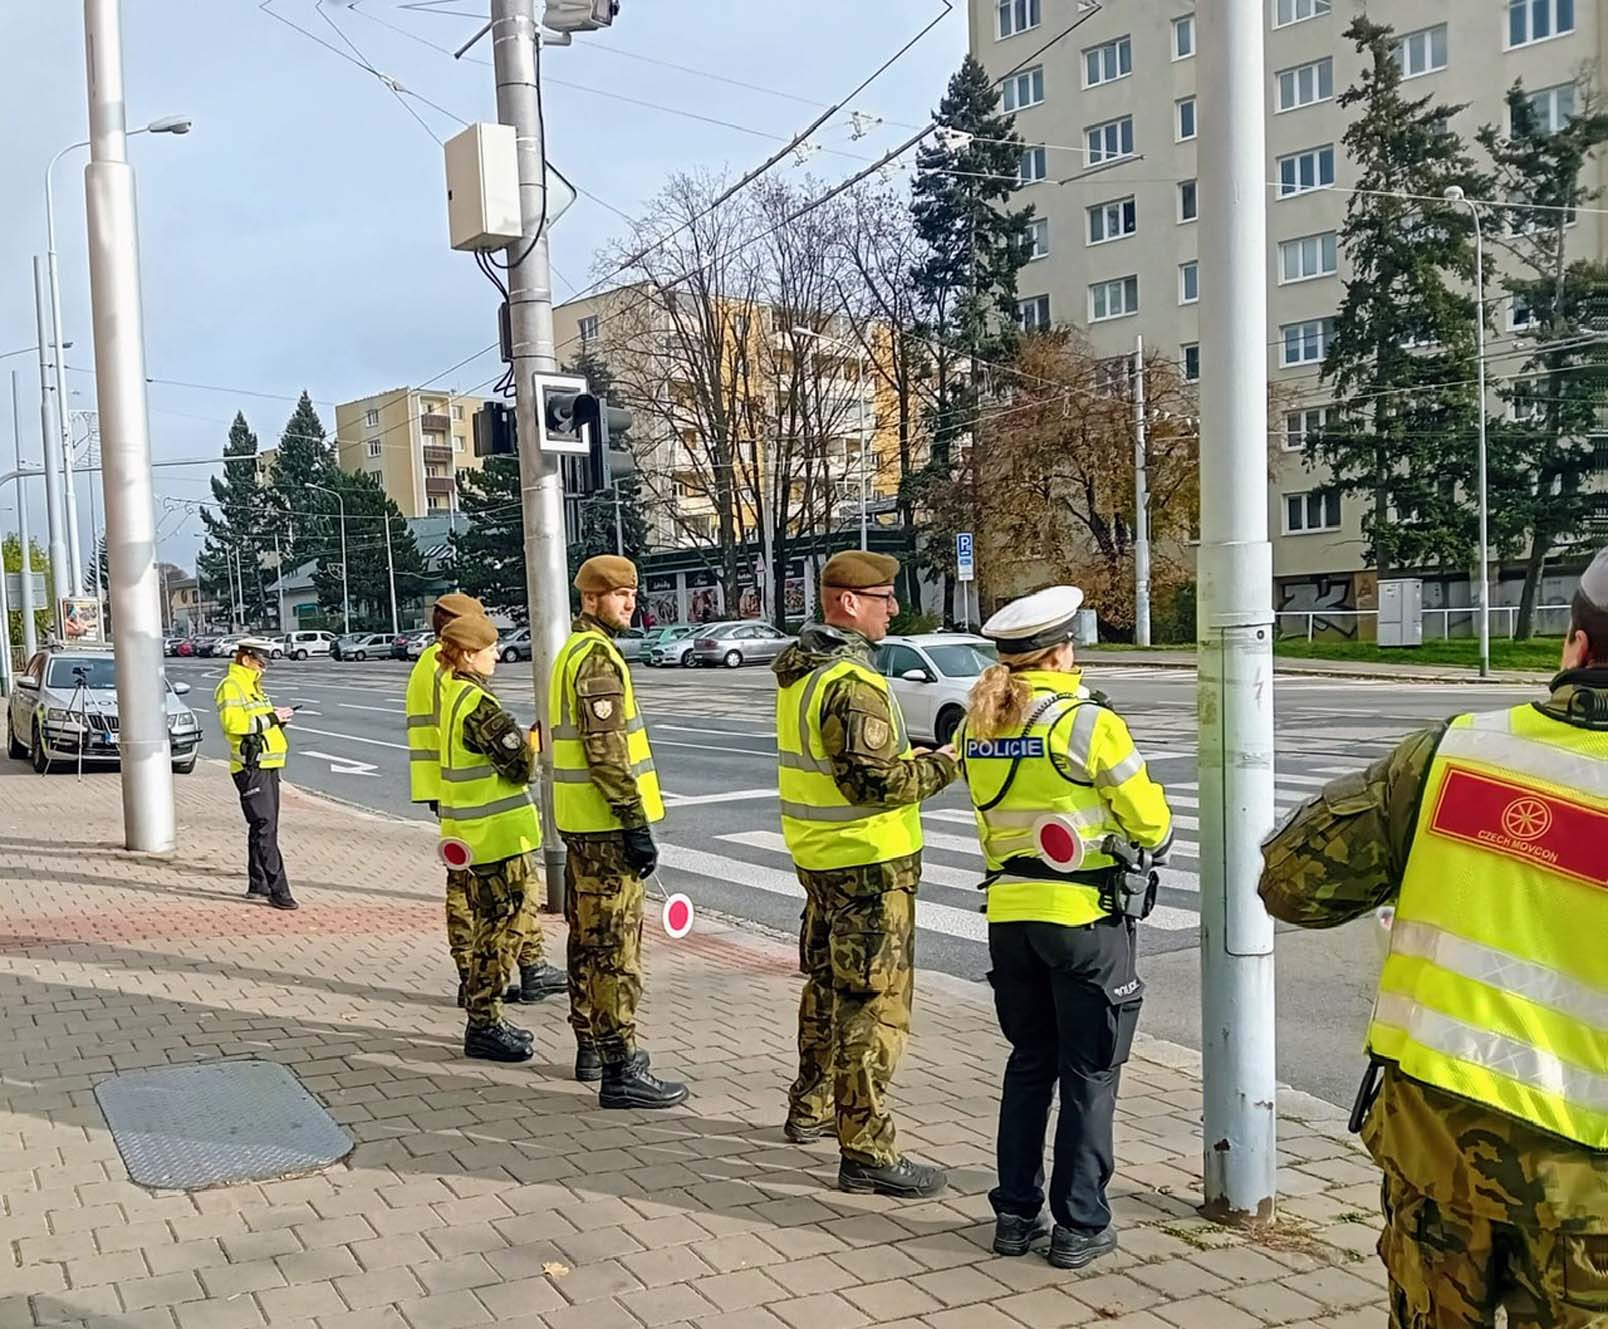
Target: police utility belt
1127,888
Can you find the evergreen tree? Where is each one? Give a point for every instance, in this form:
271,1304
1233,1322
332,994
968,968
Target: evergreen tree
1542,457
304,458
1404,344
236,525
488,556
368,577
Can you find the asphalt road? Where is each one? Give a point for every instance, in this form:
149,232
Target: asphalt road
714,738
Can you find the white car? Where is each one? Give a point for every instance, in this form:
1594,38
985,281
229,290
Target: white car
299,645
931,675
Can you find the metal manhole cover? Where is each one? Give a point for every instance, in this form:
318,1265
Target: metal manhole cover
212,1125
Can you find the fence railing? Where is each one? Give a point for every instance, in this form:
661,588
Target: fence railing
1550,620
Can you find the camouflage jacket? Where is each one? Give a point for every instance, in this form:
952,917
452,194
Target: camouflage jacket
607,756
1340,856
862,742
496,735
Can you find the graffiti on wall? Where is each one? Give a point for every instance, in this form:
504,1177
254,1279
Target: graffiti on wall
1298,599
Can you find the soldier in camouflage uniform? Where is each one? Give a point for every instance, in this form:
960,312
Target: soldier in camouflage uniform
1482,1208
841,729
605,797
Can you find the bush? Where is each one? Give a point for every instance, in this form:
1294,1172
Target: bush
1175,624
909,622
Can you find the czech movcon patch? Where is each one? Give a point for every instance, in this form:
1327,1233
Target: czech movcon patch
1555,833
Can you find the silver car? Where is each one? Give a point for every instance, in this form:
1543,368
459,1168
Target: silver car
734,644
64,708
668,646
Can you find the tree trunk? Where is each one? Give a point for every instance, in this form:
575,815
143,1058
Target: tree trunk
1541,540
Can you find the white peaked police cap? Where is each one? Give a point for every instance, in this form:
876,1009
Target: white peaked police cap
1036,622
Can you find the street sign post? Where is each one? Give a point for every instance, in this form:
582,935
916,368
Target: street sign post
14,588
965,567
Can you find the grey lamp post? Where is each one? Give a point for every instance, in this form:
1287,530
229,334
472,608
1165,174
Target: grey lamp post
346,599
1454,194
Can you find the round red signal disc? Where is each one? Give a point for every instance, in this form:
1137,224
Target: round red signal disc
1059,843
677,916
456,854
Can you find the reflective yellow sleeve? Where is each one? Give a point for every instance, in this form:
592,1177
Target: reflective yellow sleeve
1121,778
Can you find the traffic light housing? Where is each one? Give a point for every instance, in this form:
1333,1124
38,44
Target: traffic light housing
599,423
571,421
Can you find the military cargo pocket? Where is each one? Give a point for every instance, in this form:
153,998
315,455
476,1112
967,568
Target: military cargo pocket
873,942
1584,1256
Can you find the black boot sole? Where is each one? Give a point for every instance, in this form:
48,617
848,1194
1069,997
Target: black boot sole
588,1076
500,1054
808,1134
624,1101
1079,1259
851,1185
1014,1246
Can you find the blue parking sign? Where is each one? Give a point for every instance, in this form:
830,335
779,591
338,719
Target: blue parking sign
965,566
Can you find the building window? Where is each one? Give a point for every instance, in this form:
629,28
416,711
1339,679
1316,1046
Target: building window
1184,121
1110,140
1536,20
1188,282
457,412
373,447
1305,343
1315,510
1307,257
1191,352
1188,201
1112,221
371,418
1304,171
436,503
1038,233
1306,85
1024,89
1183,37
457,442
1520,315
1299,11
1113,299
1107,62
1033,167
1033,313
586,328
1553,108
1526,405
1422,52
1017,16
1300,425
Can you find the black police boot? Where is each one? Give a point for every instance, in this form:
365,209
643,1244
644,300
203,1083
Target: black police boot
523,1035
630,1084
537,981
808,1132
1074,1247
904,1180
588,1065
1014,1235
495,1042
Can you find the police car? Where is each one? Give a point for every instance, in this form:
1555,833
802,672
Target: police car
931,674
63,709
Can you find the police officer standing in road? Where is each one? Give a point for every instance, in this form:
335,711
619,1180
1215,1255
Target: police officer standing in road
851,793
489,818
537,978
605,797
1490,1027
255,729
1036,744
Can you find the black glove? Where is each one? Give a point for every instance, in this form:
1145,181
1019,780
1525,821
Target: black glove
640,851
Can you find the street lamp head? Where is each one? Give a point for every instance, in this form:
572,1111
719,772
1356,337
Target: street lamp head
170,124
1453,193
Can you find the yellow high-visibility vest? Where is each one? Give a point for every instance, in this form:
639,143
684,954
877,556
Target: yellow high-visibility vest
424,726
491,814
1496,984
1075,758
822,828
243,710
578,806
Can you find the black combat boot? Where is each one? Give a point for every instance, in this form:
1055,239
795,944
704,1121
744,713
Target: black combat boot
1074,1247
495,1042
630,1084
463,992
904,1180
1014,1235
808,1132
523,1035
588,1065
537,981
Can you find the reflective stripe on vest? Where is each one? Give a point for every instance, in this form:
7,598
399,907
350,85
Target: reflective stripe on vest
241,695
424,693
1496,984
822,828
491,814
578,805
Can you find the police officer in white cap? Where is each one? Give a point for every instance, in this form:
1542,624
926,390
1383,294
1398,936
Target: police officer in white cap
255,730
1063,802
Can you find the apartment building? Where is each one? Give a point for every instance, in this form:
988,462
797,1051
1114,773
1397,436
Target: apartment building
1110,116
413,441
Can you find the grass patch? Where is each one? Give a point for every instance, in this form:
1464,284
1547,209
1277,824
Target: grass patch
1538,655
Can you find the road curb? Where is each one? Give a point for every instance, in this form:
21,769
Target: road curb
1297,665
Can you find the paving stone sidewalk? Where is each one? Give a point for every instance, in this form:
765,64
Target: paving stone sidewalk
480,1193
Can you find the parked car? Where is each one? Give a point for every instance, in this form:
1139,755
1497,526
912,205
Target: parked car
669,645
931,675
185,648
300,645
361,645
417,641
170,645
515,646
280,642
206,645
223,647
629,643
64,708
733,644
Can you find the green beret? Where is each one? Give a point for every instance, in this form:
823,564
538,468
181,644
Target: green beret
458,604
606,572
859,570
469,633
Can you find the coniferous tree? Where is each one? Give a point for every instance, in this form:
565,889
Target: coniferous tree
236,525
306,520
368,578
488,555
1404,343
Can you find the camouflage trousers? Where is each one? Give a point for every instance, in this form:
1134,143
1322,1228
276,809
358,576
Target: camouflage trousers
1451,1271
857,950
461,920
603,907
498,899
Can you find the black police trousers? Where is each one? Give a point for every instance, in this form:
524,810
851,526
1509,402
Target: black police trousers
1068,1002
259,800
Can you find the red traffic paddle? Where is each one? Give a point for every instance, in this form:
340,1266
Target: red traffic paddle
1058,841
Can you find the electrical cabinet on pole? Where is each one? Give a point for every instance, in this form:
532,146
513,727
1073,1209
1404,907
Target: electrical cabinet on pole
1235,623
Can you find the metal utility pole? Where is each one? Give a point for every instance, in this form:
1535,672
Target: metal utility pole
59,353
346,597
114,274
390,573
30,634
279,581
530,317
55,508
1235,625
1141,503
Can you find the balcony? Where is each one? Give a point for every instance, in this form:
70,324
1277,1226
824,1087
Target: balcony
436,455
435,424
439,484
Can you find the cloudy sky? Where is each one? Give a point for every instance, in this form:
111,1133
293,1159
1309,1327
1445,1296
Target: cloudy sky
297,238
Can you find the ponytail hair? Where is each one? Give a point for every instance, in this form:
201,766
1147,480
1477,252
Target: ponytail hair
999,698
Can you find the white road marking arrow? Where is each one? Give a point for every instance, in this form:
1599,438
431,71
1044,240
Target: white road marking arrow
343,765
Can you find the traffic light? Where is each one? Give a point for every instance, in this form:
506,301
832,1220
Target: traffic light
600,422
572,421
496,431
